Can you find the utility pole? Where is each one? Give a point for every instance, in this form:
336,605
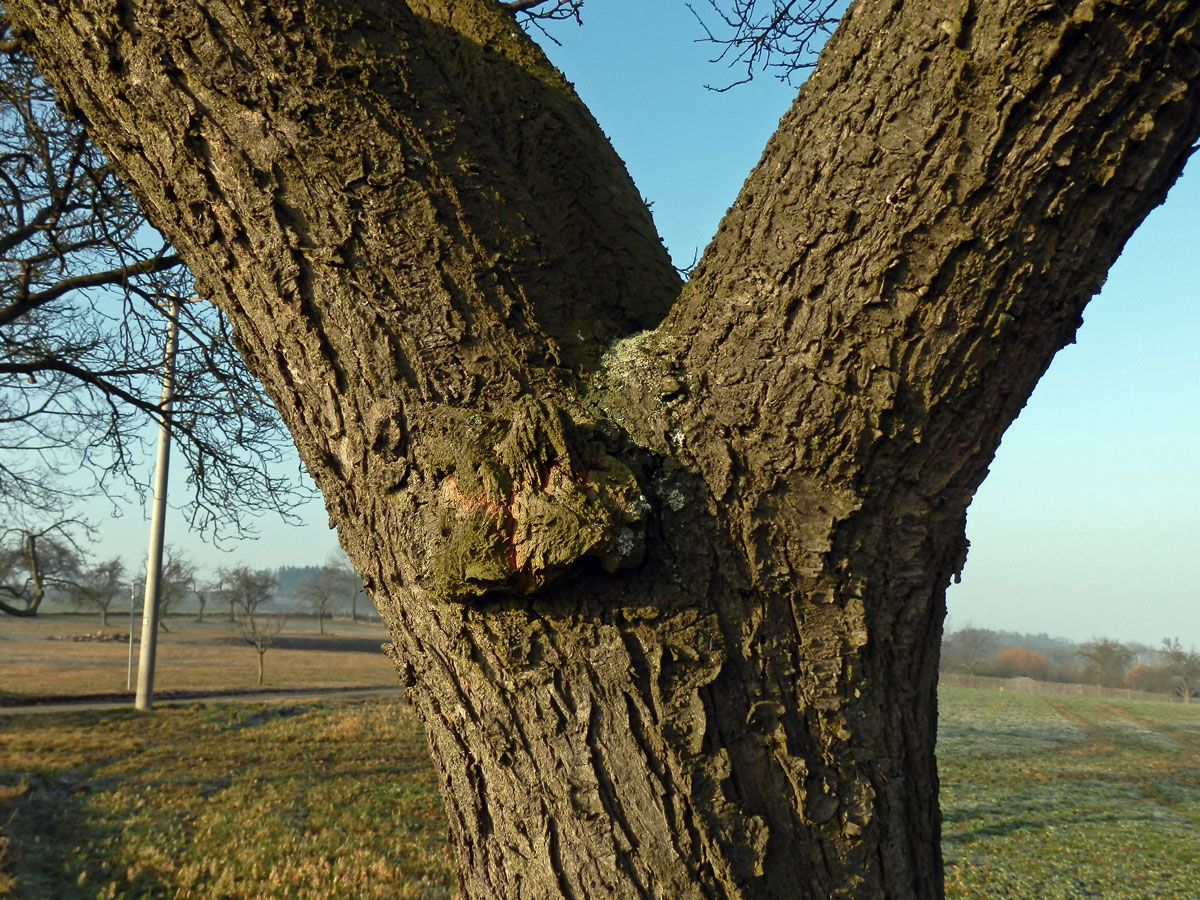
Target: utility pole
145,688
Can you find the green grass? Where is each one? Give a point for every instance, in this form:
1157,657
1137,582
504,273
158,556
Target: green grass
1044,798
1048,797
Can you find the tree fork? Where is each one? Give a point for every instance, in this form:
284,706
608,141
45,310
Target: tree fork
742,705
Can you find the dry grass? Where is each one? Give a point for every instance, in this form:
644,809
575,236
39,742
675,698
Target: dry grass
191,656
1067,799
231,801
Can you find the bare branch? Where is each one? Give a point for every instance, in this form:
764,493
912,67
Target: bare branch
559,10
119,276
532,13
82,280
780,36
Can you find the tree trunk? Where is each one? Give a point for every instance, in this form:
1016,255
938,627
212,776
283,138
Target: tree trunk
33,599
29,611
104,617
261,654
668,601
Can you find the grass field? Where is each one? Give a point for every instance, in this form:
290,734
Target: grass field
309,801
1043,797
1048,797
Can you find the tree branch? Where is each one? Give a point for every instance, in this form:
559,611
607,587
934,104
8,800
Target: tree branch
28,613
523,5
928,232
66,286
562,9
786,37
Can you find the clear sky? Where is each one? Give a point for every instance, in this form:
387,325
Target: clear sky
1089,521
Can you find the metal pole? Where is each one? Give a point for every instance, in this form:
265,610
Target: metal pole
145,688
132,607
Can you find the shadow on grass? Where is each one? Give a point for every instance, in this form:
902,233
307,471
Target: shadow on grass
1086,805
322,800
55,845
330,642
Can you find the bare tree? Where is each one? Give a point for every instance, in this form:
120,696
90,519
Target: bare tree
83,284
335,580
201,592
1107,660
248,592
34,561
176,581
663,564
98,586
1184,667
967,649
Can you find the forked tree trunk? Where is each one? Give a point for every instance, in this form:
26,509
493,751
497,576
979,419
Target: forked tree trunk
668,600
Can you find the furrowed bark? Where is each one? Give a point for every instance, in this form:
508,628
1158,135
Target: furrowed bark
668,601
918,240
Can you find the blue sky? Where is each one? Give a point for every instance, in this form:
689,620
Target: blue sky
1089,521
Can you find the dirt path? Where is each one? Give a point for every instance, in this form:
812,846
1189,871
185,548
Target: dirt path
1175,735
179,698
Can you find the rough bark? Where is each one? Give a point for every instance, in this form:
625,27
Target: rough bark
668,600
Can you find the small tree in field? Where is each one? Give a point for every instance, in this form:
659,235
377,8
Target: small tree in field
175,582
260,630
248,592
98,586
967,649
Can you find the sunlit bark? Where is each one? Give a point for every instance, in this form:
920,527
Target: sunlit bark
663,565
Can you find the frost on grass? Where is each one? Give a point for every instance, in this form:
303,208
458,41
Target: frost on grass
983,724
1084,803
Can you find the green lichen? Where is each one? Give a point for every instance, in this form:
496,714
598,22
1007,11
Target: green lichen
472,554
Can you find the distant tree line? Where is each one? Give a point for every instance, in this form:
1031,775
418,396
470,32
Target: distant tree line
48,570
1168,668
41,571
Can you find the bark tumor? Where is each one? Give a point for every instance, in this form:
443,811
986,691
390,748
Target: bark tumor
521,501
